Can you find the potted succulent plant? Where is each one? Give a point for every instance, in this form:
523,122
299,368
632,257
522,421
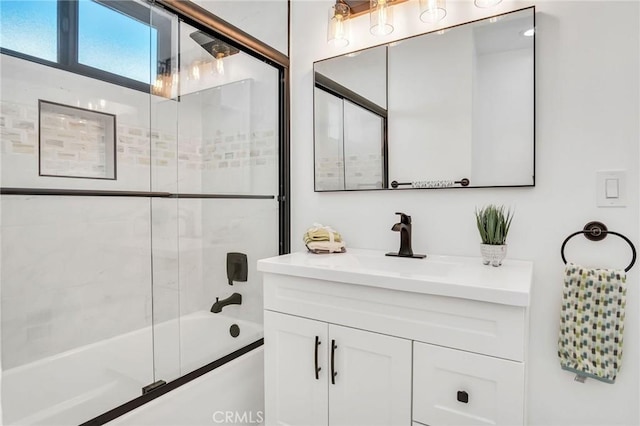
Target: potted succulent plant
493,224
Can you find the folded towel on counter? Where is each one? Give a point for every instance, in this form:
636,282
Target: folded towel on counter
592,322
323,239
326,247
319,232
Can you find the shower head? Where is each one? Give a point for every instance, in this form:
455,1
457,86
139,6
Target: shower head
214,47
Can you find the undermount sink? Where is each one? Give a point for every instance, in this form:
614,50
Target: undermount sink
403,266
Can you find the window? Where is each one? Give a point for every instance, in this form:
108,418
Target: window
112,41
30,27
119,41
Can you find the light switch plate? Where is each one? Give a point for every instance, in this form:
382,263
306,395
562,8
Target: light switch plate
611,188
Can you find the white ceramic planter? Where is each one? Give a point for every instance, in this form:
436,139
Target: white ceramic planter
492,254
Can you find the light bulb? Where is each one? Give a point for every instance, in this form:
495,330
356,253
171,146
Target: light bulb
339,31
486,3
432,10
381,18
338,27
220,64
194,71
158,85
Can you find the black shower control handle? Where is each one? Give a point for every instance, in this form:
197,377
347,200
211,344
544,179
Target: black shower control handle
237,269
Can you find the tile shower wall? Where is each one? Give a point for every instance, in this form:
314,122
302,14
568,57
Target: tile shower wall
246,226
74,271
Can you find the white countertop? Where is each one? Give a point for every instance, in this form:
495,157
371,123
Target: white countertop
452,276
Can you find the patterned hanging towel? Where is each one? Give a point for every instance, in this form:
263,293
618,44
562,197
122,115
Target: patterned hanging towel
592,322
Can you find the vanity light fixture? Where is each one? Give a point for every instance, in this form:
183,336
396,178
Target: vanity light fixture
338,29
486,3
432,11
381,16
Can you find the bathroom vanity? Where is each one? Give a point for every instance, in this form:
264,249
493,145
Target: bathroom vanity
363,339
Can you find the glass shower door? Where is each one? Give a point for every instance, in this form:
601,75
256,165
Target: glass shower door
78,215
225,206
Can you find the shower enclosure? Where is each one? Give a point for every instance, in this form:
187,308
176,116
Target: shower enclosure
138,149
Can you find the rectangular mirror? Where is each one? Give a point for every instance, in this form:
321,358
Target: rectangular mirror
452,108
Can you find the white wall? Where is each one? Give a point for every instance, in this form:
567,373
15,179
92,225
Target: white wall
587,119
266,20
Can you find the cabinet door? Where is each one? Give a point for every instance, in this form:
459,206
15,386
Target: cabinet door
453,387
294,393
372,384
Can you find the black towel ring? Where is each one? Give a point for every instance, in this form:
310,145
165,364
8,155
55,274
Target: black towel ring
597,231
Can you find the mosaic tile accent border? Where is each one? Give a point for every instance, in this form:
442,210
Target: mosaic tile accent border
138,146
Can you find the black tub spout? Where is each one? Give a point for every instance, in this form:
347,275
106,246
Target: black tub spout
234,299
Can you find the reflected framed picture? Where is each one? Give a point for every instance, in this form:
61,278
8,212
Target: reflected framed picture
76,142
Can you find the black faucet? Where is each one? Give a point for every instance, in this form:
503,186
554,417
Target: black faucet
234,299
404,227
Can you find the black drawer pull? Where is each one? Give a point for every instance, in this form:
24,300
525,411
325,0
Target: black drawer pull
316,358
334,373
463,397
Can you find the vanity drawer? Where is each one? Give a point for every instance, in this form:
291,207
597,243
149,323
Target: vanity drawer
453,387
489,328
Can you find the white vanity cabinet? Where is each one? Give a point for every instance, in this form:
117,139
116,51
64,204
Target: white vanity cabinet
324,373
440,341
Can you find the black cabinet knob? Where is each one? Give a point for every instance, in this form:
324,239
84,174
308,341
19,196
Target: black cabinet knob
463,397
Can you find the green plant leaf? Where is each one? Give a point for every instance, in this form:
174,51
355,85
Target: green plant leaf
493,224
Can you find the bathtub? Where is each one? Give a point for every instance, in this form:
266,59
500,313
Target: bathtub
77,385
232,394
